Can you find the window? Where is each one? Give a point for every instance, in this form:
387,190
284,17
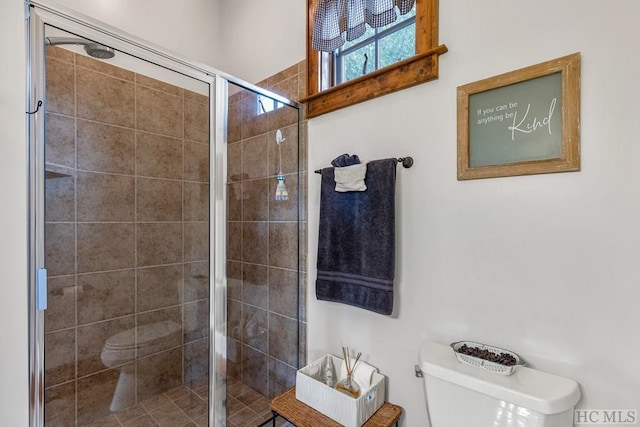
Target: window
377,48
266,104
330,88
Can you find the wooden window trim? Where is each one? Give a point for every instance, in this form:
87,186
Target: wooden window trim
421,68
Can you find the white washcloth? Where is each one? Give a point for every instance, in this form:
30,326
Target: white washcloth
350,178
362,374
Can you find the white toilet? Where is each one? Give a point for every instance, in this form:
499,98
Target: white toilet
460,395
120,349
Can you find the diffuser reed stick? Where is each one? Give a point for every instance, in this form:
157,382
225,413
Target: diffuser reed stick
348,385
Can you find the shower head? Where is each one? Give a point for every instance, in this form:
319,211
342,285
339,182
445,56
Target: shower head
99,51
94,50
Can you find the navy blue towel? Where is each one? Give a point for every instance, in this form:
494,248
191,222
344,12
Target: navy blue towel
356,243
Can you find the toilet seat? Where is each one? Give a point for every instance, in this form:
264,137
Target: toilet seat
147,335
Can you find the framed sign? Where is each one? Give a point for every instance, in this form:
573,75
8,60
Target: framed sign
521,123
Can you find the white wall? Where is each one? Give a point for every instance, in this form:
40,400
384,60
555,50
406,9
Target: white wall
260,38
14,405
546,265
191,28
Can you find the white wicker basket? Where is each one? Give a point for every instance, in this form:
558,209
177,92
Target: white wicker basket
486,364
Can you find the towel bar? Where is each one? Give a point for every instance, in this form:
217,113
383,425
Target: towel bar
407,162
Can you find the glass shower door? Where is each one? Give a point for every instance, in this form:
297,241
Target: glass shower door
127,211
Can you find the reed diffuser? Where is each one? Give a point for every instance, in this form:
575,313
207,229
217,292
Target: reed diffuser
348,385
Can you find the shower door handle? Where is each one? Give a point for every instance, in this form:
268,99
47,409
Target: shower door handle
41,289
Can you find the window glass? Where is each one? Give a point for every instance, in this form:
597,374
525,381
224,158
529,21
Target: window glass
355,64
397,46
383,46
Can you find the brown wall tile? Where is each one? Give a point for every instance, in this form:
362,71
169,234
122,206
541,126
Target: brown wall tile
196,121
282,117
234,365
281,377
194,96
283,339
283,245
234,280
196,320
60,357
255,242
159,244
234,122
103,67
196,162
254,155
60,248
255,200
158,156
159,112
234,241
196,363
105,148
60,85
234,162
159,373
105,197
255,327
152,83
283,292
60,134
196,241
287,87
60,198
234,319
158,200
255,370
105,246
103,296
57,52
60,404
234,201
255,285
105,99
196,281
159,287
61,311
196,202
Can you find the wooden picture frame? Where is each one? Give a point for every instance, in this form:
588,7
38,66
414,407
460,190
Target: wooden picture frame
521,123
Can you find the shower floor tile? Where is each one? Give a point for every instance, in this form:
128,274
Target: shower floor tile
178,407
246,407
187,407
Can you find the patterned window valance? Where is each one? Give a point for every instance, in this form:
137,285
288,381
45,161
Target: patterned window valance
332,18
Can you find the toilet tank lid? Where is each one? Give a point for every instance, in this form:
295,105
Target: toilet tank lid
542,392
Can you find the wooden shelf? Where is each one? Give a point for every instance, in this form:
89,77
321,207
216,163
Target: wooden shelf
287,406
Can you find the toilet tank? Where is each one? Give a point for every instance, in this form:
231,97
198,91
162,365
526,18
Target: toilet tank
460,395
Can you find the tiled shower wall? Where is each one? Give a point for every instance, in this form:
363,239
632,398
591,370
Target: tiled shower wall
266,239
126,233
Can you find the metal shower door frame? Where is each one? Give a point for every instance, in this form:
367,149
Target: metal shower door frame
38,15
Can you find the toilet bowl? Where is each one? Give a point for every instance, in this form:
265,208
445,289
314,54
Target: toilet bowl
121,348
460,395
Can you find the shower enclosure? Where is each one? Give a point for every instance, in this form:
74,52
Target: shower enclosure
164,273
